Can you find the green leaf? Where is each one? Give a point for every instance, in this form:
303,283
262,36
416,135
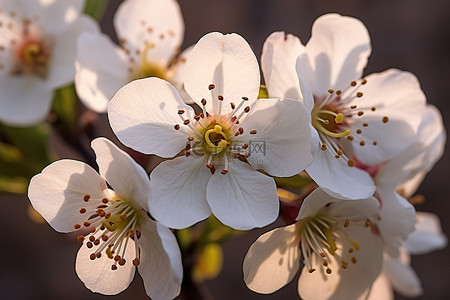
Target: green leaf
65,106
295,182
95,8
14,185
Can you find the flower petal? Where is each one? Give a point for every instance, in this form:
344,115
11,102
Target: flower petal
149,108
24,100
128,179
428,235
396,95
243,198
272,260
402,276
397,218
175,74
57,193
160,261
338,179
278,60
61,66
349,283
282,143
228,62
178,195
158,22
338,51
381,289
97,274
101,70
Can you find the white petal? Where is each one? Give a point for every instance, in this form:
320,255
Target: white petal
278,60
97,274
381,289
57,193
319,199
402,277
243,198
160,261
127,178
228,62
175,74
61,66
143,113
101,70
158,22
338,179
397,218
178,195
54,15
396,95
24,100
428,235
348,283
338,50
272,260
282,143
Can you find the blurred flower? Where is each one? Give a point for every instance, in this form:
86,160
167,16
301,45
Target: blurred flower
398,179
225,144
369,120
339,242
150,34
209,262
37,54
119,235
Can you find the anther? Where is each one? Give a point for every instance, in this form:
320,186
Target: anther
180,111
374,143
197,118
211,87
338,92
373,108
364,81
104,200
359,94
351,163
122,261
346,222
89,245
353,83
358,131
224,171
177,127
82,210
323,147
385,119
92,238
123,216
138,234
245,146
247,154
186,122
244,98
325,263
311,270
253,131
322,254
220,97
190,138
96,242
104,237
331,91
350,138
92,256
99,254
360,113
233,106
350,250
354,260
86,198
87,224
80,238
136,262
362,143
353,106
365,124
116,258
328,271
367,223
113,267
247,109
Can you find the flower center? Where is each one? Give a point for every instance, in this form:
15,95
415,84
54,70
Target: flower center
327,122
22,39
215,134
110,226
324,239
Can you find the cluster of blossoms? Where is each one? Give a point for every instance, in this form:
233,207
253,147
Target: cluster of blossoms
366,142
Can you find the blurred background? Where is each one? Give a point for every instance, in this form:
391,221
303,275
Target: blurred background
413,35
